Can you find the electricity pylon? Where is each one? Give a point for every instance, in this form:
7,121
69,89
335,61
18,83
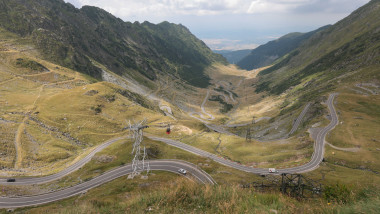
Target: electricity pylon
139,163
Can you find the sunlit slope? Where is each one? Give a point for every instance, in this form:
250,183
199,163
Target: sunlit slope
346,51
344,58
72,37
51,115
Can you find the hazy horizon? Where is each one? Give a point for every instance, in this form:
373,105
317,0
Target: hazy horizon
233,24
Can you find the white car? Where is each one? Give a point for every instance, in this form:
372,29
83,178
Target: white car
182,171
272,170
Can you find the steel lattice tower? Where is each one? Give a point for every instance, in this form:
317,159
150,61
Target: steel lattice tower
139,163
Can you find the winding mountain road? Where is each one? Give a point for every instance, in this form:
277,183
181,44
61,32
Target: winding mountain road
222,129
316,158
246,124
164,165
211,117
67,171
299,119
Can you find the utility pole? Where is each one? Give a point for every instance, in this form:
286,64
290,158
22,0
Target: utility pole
248,136
139,163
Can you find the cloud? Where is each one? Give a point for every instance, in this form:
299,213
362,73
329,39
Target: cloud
248,20
128,9
329,6
304,6
274,6
131,8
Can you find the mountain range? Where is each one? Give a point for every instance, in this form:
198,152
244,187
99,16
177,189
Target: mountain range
268,53
75,37
81,89
233,56
343,50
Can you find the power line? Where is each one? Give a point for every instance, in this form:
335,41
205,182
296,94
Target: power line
139,163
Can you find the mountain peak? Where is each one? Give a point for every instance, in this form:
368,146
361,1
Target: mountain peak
76,37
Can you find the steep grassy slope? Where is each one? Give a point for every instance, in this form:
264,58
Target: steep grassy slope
180,196
265,55
344,58
348,47
51,115
73,37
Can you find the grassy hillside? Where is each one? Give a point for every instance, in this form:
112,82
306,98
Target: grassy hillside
51,115
265,55
72,37
344,58
234,57
344,49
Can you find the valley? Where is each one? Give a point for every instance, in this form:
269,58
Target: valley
65,115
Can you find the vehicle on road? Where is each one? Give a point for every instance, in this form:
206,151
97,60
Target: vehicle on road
272,170
11,180
182,171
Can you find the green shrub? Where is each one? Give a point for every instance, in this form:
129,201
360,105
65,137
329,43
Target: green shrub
32,65
97,109
226,106
339,193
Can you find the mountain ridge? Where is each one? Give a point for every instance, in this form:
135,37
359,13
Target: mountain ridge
73,37
268,53
347,46
233,56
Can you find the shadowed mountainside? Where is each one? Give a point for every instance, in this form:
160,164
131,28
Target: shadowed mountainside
75,37
267,54
348,51
233,56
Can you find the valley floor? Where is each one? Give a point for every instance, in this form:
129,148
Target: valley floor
53,118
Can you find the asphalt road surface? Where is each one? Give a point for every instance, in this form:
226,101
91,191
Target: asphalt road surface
193,172
221,129
299,119
211,117
316,158
68,170
165,165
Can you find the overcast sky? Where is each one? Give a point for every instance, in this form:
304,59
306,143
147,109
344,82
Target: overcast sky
232,24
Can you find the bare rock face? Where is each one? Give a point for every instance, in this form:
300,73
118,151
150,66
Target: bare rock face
75,37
